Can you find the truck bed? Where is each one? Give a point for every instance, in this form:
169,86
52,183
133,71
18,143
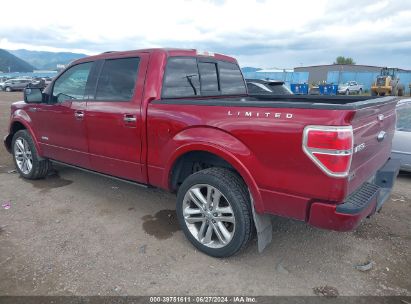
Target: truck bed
288,101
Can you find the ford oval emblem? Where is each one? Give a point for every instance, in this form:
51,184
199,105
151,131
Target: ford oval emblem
381,136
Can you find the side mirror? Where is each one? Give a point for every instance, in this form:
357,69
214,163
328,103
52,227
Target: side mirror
33,95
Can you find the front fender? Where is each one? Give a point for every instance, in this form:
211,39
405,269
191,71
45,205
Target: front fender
20,116
224,145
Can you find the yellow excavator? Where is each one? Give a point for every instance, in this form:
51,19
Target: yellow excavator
387,83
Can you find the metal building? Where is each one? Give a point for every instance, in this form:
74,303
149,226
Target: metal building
319,73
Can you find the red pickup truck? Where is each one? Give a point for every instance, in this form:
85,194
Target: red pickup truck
182,120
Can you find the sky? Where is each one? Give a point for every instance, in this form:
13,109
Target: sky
266,34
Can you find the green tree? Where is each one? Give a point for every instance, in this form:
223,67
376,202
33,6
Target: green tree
344,60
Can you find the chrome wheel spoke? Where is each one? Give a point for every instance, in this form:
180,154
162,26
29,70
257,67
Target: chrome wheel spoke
227,219
192,220
219,234
200,234
223,230
19,158
208,235
24,165
192,211
20,145
198,198
224,210
29,164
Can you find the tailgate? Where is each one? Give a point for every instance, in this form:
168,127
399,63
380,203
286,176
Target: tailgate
374,129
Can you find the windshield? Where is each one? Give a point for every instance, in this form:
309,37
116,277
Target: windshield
404,117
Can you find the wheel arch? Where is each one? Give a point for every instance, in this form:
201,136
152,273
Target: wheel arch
20,122
212,155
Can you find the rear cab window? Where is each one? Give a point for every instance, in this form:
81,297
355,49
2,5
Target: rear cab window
201,77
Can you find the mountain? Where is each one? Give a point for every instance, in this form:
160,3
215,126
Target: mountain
46,60
9,62
249,69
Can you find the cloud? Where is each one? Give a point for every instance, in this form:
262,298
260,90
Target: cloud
262,33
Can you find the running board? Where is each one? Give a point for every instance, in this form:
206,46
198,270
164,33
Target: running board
101,174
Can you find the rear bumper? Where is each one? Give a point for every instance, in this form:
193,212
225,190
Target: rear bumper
364,202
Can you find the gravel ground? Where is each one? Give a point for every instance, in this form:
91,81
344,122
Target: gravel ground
75,233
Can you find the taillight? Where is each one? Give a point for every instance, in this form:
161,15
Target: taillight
330,148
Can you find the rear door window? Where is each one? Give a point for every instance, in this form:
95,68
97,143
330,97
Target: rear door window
117,79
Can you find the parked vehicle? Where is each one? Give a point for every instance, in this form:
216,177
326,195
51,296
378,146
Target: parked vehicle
350,87
181,120
15,84
39,83
387,83
401,145
2,81
314,90
274,87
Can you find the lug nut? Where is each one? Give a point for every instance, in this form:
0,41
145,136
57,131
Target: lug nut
215,214
213,221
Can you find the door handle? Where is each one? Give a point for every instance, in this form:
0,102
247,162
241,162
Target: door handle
79,114
33,109
129,118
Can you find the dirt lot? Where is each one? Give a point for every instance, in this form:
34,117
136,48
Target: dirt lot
80,234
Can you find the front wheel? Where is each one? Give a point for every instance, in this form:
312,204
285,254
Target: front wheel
214,212
347,92
8,89
27,161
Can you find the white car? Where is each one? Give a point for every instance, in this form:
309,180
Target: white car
401,143
350,87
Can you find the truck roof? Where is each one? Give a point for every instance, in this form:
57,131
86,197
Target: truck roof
168,52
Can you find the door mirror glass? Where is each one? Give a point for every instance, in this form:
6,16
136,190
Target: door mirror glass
33,95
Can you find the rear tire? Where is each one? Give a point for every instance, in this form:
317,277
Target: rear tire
26,159
360,92
214,212
8,89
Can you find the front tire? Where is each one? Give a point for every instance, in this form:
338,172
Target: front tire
8,89
347,92
214,212
25,156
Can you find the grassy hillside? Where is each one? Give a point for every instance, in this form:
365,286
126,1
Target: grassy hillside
46,60
9,62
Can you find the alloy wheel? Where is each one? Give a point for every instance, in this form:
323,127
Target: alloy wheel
209,216
23,155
